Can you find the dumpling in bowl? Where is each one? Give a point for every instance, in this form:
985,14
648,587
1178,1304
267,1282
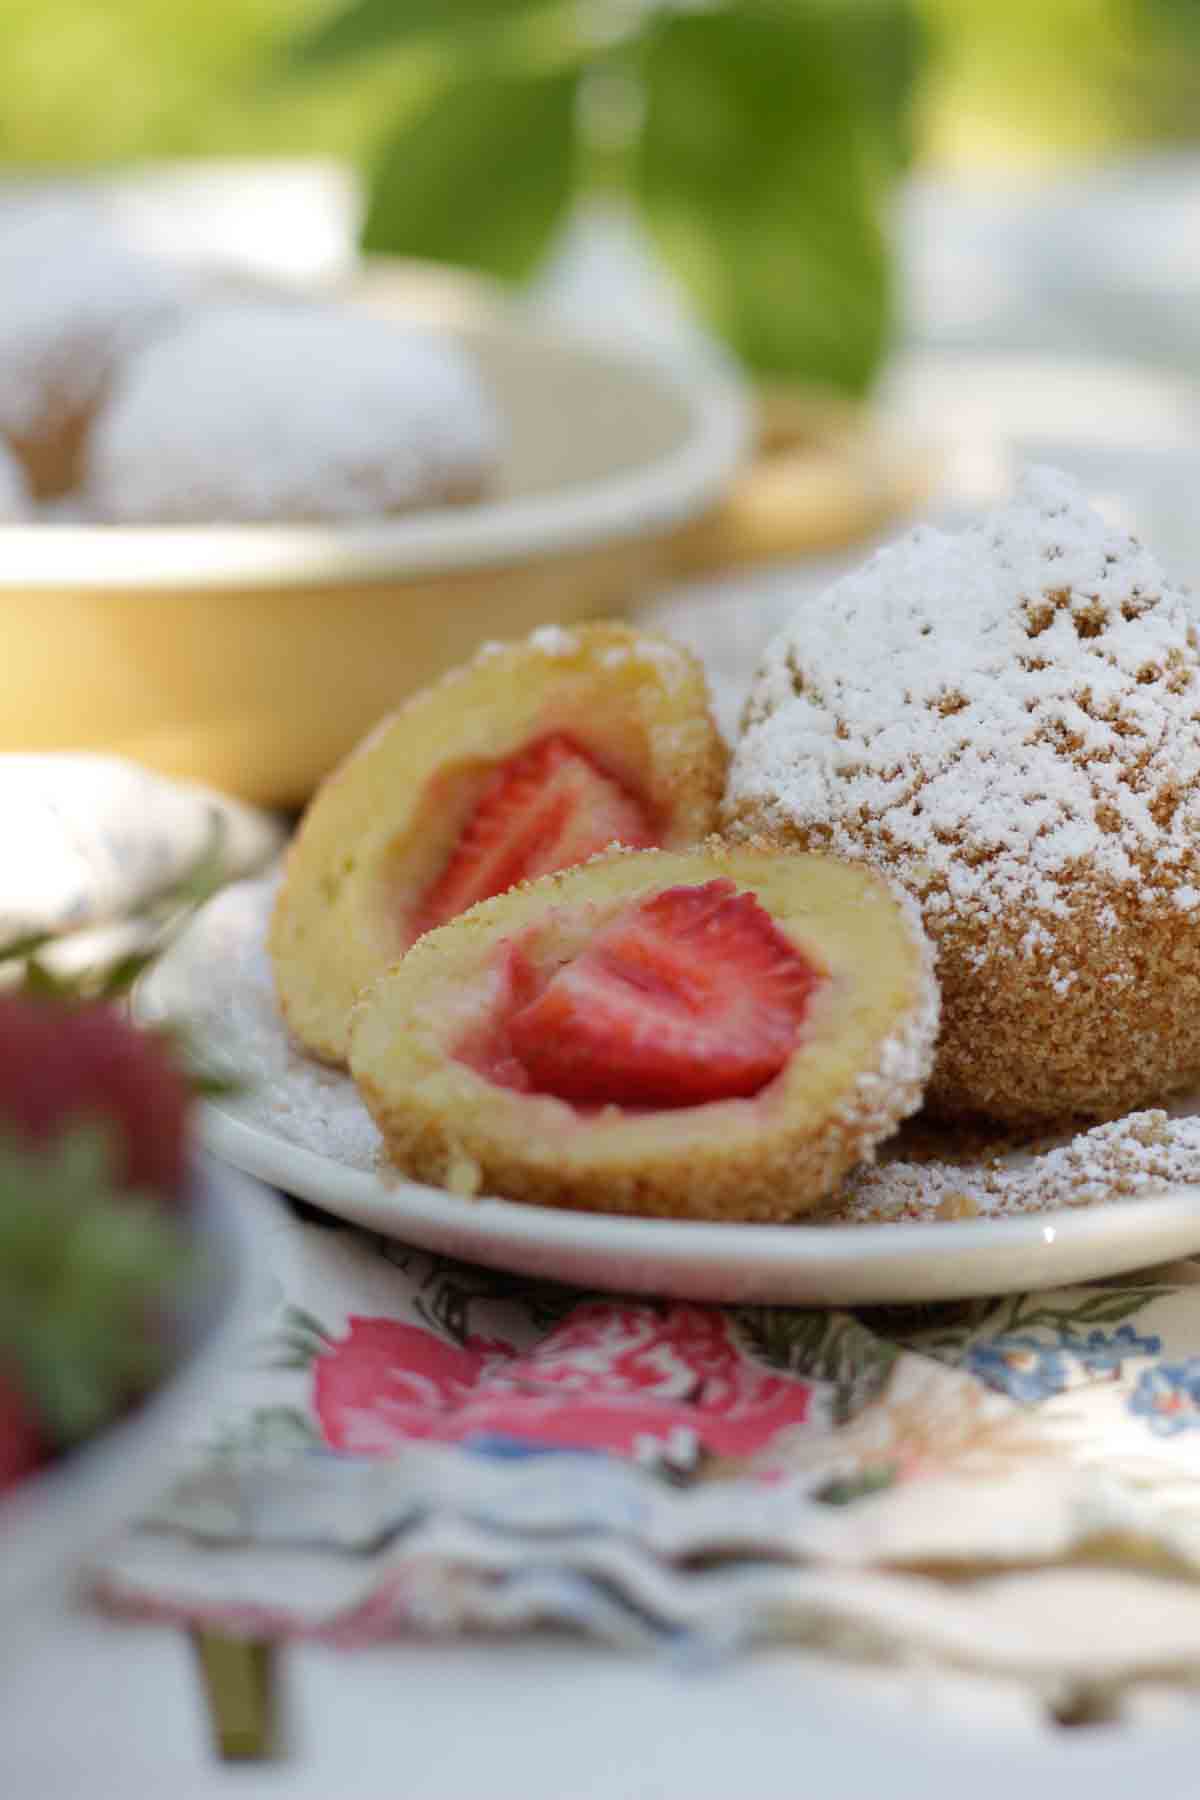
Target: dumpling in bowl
74,303
290,413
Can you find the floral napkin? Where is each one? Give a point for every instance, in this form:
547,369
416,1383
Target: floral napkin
1008,1487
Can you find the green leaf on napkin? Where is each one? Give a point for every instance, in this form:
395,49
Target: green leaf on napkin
268,1430
764,186
844,1492
830,1347
481,177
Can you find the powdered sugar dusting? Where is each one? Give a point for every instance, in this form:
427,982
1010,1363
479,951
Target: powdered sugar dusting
553,640
893,1088
217,978
72,304
988,712
290,413
1136,1157
669,662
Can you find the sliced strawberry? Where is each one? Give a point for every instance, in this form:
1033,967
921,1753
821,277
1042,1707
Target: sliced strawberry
546,808
692,995
21,1448
61,1064
486,1047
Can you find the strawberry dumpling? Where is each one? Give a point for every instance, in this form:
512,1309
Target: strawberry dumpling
714,1034
532,758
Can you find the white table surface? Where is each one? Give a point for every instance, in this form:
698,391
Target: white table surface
113,1713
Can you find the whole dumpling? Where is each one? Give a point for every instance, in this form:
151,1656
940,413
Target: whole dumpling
74,303
1007,720
260,413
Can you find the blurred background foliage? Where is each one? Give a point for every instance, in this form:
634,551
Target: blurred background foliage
759,139
87,81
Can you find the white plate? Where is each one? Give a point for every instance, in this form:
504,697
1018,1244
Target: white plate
807,1265
217,981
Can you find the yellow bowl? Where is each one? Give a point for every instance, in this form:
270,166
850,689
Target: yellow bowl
253,657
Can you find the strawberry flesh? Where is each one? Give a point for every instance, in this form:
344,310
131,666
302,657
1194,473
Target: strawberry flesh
690,996
546,808
487,1046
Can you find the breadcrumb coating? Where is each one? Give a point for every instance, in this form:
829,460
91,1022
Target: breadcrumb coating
1006,721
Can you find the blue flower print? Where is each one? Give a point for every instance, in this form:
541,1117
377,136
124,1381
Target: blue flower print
1029,1368
1168,1397
500,1447
1021,1366
1102,1352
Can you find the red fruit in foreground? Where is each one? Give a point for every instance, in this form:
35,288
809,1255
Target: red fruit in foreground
690,996
546,808
20,1440
60,1065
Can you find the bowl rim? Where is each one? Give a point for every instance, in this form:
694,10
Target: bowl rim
643,501
53,1520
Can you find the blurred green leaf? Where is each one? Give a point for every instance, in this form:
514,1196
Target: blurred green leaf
883,47
760,176
384,24
1176,15
481,177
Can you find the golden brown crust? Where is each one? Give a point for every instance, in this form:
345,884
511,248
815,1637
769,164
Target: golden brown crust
383,823
766,1184
1122,1033
865,1055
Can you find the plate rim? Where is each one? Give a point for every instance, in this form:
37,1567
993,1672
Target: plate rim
713,1245
53,1521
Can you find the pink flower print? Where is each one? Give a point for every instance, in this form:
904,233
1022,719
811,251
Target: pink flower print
385,1382
628,1379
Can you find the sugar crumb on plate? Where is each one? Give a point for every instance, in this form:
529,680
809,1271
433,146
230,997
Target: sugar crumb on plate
1135,1157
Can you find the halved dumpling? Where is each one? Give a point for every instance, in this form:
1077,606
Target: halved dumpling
531,758
718,1034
